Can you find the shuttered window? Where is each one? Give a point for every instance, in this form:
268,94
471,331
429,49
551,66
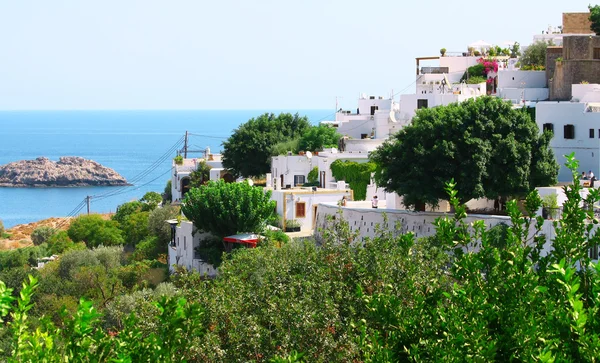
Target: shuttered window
300,210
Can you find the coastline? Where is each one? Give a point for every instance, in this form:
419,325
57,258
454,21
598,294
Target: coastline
76,185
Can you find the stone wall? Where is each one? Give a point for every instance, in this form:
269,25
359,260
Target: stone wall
576,23
552,53
578,65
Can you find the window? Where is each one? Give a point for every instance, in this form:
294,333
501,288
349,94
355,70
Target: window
422,104
548,127
591,133
364,136
184,243
299,179
373,109
594,253
300,209
596,53
569,131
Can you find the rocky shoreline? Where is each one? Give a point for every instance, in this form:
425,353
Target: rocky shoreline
68,171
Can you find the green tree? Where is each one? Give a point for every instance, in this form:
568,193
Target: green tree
95,231
318,137
490,149
157,224
126,209
135,228
228,208
42,234
247,151
167,192
150,200
201,175
60,242
1,228
534,55
595,18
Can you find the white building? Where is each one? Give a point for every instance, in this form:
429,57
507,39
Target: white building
180,178
182,250
576,127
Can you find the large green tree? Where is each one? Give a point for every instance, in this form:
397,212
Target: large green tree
318,137
247,152
490,149
228,208
595,18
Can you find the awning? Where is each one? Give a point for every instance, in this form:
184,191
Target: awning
249,239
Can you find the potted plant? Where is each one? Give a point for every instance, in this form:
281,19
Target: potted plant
443,51
550,208
292,225
178,160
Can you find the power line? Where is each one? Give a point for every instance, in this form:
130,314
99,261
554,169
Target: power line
146,172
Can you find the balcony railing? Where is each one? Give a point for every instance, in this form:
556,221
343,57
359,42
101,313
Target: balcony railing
434,70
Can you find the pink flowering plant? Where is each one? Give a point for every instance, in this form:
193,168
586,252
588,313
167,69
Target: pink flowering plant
489,65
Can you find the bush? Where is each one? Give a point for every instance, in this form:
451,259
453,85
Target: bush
313,175
148,249
95,231
168,193
157,225
60,243
135,227
42,234
127,209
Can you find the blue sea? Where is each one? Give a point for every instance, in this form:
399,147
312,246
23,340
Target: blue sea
130,142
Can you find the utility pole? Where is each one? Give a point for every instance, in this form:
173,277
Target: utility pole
87,199
185,146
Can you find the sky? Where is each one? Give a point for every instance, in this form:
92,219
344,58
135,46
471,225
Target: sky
230,54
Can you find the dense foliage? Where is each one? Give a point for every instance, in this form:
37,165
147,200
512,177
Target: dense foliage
318,137
468,293
247,152
534,56
201,175
95,231
168,193
489,148
357,175
228,208
595,18
42,234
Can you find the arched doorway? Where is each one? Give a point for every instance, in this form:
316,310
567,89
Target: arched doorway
185,186
228,178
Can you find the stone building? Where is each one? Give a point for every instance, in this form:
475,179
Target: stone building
578,63
576,23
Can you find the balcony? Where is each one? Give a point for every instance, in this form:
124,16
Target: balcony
435,70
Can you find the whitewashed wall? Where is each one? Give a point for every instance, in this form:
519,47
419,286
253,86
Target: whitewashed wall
586,149
521,79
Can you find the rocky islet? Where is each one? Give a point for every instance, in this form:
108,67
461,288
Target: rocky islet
68,171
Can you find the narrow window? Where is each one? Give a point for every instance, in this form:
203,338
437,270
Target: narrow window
548,127
184,243
569,131
591,133
299,179
300,210
373,109
596,53
422,104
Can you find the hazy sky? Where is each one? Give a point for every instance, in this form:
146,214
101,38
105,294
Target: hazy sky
229,54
